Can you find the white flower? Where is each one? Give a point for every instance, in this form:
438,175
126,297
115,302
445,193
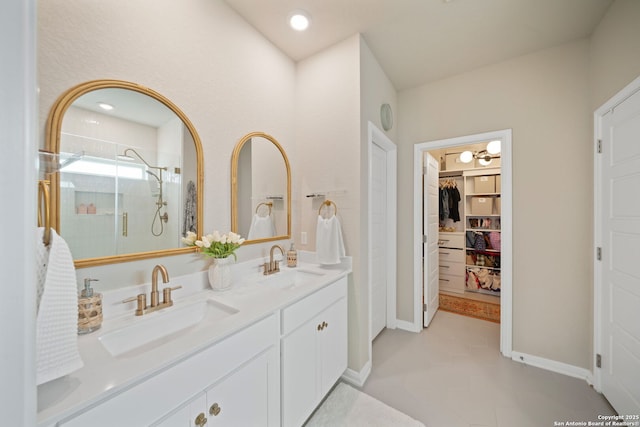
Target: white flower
233,237
190,238
206,242
215,237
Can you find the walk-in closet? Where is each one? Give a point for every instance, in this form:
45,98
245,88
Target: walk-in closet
469,237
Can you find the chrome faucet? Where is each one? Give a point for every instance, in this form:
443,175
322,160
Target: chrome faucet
273,266
142,307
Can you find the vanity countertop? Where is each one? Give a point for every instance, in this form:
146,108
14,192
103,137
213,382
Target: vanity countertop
104,375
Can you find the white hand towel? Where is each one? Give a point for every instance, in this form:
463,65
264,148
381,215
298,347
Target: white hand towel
57,320
262,227
329,243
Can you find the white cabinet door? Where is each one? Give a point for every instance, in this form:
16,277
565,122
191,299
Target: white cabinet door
300,375
333,345
245,397
242,398
186,415
314,357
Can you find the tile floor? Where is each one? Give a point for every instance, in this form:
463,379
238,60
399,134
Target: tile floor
452,375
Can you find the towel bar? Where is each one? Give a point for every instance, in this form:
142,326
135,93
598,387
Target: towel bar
328,203
44,219
267,204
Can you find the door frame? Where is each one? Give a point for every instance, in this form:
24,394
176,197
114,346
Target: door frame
506,226
379,138
598,219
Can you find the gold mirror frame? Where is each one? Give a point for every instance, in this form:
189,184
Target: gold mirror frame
53,135
234,185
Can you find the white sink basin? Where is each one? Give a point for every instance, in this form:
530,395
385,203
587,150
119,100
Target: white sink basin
157,328
290,278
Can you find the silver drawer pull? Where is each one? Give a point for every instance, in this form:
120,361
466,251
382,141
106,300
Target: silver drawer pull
444,280
445,266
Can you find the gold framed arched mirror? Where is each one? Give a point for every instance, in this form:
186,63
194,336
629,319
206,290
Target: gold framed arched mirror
260,189
130,177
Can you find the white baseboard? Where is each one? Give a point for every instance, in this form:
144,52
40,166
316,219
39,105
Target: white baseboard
408,326
357,378
553,366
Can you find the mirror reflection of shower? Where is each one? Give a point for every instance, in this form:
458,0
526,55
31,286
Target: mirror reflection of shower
160,203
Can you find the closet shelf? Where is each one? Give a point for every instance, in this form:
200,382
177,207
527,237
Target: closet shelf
492,252
482,266
481,194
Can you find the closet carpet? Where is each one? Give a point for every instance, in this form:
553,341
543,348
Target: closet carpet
452,375
471,307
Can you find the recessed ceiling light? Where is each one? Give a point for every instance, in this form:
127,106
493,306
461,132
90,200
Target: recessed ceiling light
105,106
299,20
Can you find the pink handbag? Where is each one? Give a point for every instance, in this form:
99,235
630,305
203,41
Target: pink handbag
494,238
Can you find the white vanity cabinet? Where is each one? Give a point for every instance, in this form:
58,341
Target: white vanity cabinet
313,350
239,373
270,365
240,399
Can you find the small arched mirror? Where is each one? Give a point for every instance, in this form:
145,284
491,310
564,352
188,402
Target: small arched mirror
130,178
260,189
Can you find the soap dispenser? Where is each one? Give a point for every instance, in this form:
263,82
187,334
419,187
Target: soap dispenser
89,309
292,257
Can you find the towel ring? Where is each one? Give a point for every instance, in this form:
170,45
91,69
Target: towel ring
328,203
267,204
44,219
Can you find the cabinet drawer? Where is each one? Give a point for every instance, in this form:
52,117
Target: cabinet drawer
446,240
451,283
451,268
453,255
298,313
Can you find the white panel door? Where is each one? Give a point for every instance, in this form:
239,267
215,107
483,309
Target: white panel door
379,242
620,279
431,271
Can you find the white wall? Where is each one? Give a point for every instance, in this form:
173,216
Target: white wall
544,98
328,134
615,51
18,138
226,77
375,89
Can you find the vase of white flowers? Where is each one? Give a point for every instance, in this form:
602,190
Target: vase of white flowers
221,247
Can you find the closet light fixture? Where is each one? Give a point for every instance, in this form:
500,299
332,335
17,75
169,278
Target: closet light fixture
484,157
105,106
299,20
492,151
493,147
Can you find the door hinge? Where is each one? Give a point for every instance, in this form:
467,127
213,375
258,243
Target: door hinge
599,146
424,307
598,361
424,238
599,253
424,170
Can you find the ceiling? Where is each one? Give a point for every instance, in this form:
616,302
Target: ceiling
419,41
